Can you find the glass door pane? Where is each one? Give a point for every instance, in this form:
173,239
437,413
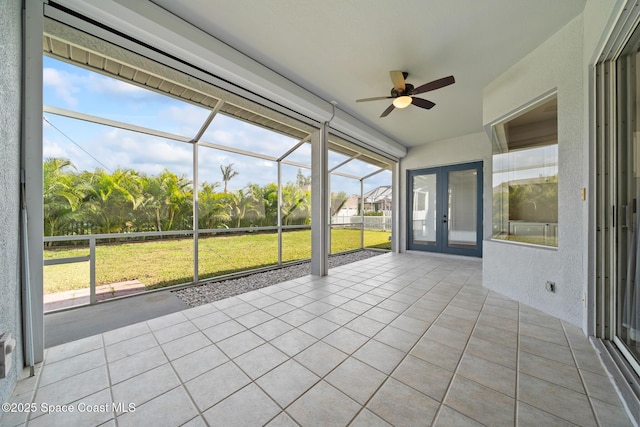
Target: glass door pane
423,212
628,250
462,218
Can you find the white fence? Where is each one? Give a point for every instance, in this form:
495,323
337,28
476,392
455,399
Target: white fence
379,223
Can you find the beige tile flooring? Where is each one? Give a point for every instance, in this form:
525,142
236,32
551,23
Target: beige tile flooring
398,339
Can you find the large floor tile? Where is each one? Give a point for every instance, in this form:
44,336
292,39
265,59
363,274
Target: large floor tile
424,377
489,374
448,417
146,386
172,408
559,401
287,382
215,385
381,356
260,360
480,403
401,405
136,364
345,340
248,407
323,405
78,417
70,389
551,371
356,379
240,343
436,353
321,358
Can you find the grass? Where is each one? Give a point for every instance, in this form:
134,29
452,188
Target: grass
167,262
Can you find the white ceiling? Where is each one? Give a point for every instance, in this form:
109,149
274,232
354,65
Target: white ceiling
343,50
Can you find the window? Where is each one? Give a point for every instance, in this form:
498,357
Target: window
525,176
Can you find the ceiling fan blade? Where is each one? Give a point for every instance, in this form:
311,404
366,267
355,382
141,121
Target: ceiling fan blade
377,98
397,77
436,84
422,103
386,112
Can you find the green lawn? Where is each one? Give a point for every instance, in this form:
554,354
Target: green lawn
169,262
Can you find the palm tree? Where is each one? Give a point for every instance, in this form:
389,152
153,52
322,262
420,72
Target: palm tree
242,206
266,202
212,207
113,198
61,196
227,174
167,200
296,205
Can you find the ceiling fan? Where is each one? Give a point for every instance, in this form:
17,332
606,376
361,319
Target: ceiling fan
403,92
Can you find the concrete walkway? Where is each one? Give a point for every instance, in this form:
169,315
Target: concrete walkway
66,326
75,297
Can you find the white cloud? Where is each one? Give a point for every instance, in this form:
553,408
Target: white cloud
52,149
63,83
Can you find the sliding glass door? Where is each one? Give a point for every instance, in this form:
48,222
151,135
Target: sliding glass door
445,209
617,231
626,293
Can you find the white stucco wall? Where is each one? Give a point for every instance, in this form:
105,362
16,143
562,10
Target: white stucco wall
10,77
520,271
563,62
464,149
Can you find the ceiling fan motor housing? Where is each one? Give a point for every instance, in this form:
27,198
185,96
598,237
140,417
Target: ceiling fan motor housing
408,87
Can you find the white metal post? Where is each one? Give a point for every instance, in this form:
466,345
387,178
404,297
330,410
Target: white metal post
319,202
196,216
362,214
395,209
279,212
196,183
32,162
92,270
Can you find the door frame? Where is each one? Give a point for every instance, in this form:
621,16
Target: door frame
442,172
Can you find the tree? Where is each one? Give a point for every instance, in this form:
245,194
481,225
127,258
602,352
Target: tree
113,197
212,207
167,201
337,202
303,181
241,205
266,202
61,196
227,174
296,205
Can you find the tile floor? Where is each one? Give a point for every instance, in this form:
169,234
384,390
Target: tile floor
398,339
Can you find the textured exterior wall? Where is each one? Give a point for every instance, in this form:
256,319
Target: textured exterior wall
464,149
10,106
563,62
520,271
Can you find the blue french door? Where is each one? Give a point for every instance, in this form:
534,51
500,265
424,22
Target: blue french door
445,209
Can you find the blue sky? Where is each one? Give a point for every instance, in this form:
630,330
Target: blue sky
91,146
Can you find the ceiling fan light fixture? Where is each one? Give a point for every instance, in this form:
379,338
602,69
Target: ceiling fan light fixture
402,101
